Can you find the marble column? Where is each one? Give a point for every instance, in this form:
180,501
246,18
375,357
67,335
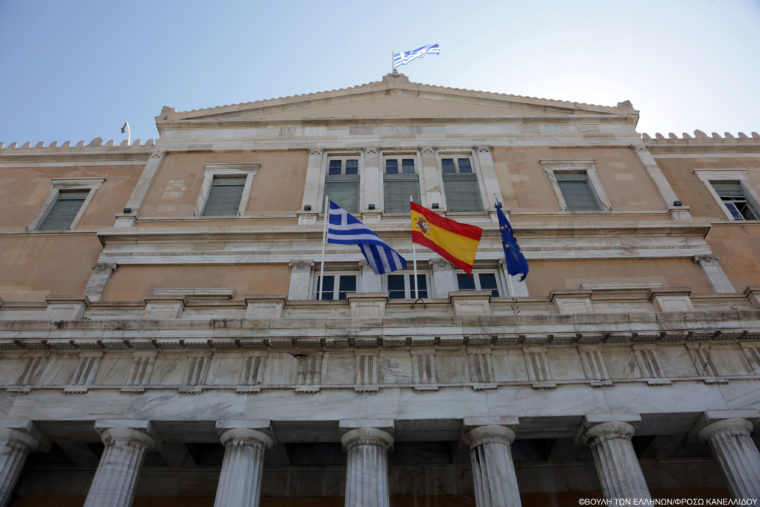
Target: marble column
493,472
16,442
116,477
240,480
736,454
616,463
367,468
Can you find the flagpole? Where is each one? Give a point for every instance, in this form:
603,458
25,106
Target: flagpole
324,240
392,67
414,261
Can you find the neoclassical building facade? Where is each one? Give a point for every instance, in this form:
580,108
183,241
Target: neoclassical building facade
163,341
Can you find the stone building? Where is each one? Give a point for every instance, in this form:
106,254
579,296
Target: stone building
162,342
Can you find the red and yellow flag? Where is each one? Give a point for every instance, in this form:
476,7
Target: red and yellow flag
455,242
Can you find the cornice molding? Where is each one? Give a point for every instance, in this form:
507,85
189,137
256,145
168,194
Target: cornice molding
702,143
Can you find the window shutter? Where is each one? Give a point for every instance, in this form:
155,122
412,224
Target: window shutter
462,192
577,192
63,211
224,196
729,189
398,188
343,191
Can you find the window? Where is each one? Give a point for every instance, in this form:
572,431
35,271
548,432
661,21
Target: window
65,204
225,190
735,200
576,185
336,286
576,191
460,184
224,196
400,180
64,210
733,190
401,286
342,182
480,280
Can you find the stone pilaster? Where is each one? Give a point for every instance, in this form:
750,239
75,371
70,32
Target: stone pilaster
141,189
488,179
116,477
715,274
444,278
661,182
736,454
17,440
493,472
372,181
240,480
367,468
368,281
515,287
312,194
101,274
431,179
300,280
616,463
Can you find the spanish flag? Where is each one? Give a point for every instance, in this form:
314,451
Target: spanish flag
455,242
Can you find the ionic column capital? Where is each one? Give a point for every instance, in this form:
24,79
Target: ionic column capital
132,432
729,427
705,259
245,436
367,436
441,265
301,264
491,434
17,439
20,439
129,436
608,431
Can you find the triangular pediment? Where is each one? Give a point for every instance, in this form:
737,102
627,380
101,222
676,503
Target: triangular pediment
393,98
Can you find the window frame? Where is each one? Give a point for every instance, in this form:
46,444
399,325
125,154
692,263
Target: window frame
325,173
336,286
552,167
225,170
476,172
400,155
57,185
708,176
501,285
408,287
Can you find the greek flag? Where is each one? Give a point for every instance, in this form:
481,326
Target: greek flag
344,229
400,59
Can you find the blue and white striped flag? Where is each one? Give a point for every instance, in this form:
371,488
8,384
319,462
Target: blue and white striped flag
400,59
344,229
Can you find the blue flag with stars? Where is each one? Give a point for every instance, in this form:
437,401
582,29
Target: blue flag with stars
516,263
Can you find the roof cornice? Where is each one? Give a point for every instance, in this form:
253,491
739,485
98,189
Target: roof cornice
95,151
702,143
390,84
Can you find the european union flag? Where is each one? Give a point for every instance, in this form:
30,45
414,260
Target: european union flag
516,263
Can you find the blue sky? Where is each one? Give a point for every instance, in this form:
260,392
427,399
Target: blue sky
76,70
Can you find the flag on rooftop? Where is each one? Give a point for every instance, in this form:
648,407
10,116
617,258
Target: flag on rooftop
405,57
516,262
454,241
343,228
